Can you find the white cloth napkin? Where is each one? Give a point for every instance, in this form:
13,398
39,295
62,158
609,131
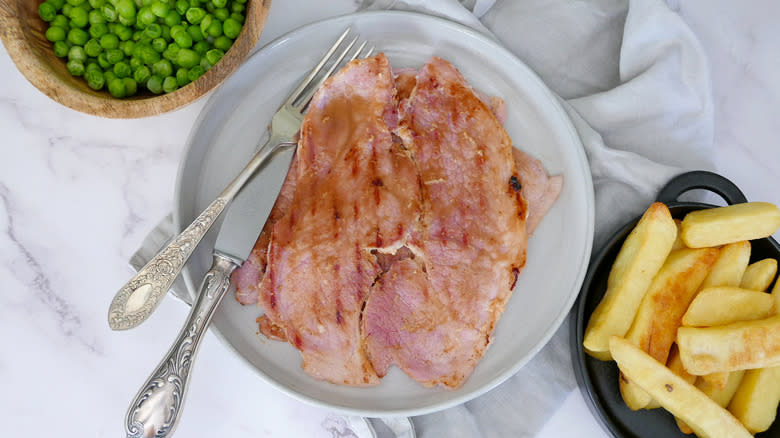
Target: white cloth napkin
636,84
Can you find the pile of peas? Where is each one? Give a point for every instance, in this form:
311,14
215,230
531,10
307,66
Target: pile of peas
123,45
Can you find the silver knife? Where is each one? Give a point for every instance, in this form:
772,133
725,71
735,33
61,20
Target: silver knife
156,408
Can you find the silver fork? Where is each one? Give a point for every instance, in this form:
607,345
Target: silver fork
138,298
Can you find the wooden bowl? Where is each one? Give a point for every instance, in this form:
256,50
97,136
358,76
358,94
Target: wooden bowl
22,32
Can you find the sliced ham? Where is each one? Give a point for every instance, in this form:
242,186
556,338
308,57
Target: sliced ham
356,191
434,316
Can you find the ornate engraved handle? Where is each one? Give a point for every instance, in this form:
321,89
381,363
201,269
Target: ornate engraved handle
156,408
137,299
141,295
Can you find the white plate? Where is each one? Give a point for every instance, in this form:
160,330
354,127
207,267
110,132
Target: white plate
236,117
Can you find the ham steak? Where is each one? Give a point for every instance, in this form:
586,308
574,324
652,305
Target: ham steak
400,230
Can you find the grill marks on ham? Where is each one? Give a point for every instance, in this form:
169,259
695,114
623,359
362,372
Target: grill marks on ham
378,250
355,190
434,316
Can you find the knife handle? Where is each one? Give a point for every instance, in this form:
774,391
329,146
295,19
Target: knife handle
140,296
155,410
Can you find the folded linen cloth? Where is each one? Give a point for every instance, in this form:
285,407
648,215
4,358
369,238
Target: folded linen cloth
635,82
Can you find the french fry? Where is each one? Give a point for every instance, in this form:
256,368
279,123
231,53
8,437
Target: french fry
678,242
722,396
732,347
717,380
755,401
759,275
683,400
660,312
722,225
675,365
730,267
724,305
642,255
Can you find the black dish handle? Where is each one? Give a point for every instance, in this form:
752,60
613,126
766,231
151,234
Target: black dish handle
700,179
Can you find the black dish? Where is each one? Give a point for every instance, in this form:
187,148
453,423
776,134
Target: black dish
598,381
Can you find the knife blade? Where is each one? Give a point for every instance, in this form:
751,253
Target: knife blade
155,409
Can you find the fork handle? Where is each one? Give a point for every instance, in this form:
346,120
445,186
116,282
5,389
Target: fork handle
155,410
138,298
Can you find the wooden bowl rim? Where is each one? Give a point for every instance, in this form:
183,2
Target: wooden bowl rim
103,104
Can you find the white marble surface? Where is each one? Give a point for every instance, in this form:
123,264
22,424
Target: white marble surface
79,193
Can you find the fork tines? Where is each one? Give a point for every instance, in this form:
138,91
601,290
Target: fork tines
337,56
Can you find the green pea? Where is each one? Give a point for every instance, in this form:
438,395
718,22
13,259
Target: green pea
95,17
223,43
103,61
137,35
77,53
127,48
66,9
204,62
61,49
240,1
160,8
154,84
123,32
153,30
142,74
109,12
98,30
109,41
195,33
47,11
145,16
75,2
159,44
214,55
93,48
165,32
92,65
210,7
56,3
135,64
187,58
195,15
238,17
219,3
96,4
131,87
117,87
182,6
95,79
221,14
114,55
109,75
162,68
171,52
231,28
149,56
205,23
127,21
237,7
215,29
126,8
172,18
201,47
55,33
122,69
79,17
78,36
182,77
195,73
76,68
183,39
170,85
60,21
